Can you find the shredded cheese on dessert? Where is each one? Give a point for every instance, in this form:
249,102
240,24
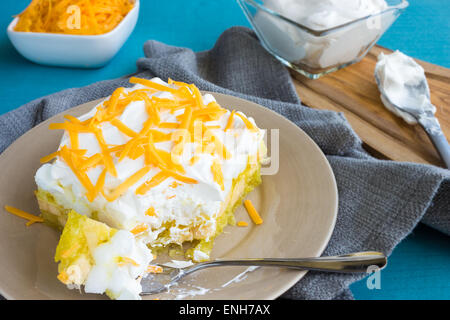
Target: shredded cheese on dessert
150,212
143,142
139,229
122,261
247,122
158,159
230,120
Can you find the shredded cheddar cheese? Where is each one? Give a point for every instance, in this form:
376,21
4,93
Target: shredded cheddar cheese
91,162
49,157
194,160
189,127
230,121
139,229
154,269
242,224
129,182
247,122
25,215
150,212
99,186
152,84
216,170
63,277
156,180
169,125
81,17
254,215
174,184
70,251
123,261
123,128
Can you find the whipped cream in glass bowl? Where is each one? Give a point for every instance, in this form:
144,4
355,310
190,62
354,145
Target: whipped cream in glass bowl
318,37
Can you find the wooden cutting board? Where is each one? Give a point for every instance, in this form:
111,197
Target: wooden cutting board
353,91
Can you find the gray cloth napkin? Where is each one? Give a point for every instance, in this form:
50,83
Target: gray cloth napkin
380,202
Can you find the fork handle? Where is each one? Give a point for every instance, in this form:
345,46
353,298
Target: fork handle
348,263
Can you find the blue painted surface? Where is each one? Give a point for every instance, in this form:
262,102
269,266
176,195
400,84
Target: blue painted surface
419,267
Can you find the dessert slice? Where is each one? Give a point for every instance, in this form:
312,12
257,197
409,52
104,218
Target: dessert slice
100,258
158,159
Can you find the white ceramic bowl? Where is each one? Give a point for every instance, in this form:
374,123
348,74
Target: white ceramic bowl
85,51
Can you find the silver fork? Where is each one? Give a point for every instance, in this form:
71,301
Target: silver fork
348,263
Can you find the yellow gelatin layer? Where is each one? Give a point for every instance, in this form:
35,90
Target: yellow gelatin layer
79,238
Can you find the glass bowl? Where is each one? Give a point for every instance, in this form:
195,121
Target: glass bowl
315,53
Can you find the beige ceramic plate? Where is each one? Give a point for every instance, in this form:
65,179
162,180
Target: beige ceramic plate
298,205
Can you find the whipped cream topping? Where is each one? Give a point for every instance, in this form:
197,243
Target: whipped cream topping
396,71
325,14
171,200
120,280
338,47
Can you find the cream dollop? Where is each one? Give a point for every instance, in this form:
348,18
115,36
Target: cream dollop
395,71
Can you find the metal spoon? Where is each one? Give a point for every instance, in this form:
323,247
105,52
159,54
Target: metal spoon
425,118
348,263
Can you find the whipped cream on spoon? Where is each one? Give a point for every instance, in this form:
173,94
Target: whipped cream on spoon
405,92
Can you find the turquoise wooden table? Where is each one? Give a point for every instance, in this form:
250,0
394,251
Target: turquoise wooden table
419,267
